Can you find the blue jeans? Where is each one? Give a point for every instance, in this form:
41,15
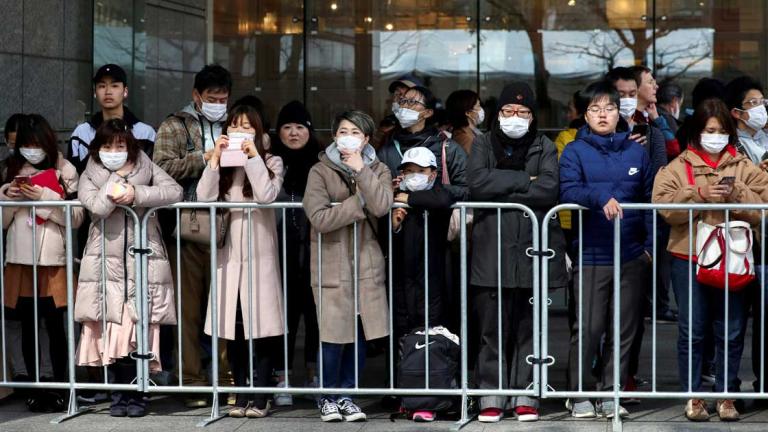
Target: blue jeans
338,366
708,307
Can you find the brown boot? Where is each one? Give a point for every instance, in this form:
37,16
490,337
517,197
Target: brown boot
726,410
696,410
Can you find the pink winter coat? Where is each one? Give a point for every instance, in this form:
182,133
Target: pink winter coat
232,261
153,188
51,235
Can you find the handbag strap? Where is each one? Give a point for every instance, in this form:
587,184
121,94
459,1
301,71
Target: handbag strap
446,178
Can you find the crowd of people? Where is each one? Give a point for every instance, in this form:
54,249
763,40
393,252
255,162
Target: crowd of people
626,143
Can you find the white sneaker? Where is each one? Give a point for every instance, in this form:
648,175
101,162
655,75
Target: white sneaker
582,409
329,411
350,411
490,415
283,399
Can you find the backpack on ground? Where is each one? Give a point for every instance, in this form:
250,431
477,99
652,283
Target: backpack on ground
444,357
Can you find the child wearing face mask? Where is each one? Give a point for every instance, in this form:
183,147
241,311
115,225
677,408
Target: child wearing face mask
36,243
250,300
426,220
118,173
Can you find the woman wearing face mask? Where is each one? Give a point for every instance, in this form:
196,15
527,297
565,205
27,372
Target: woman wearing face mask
37,152
465,115
120,174
348,173
696,176
417,129
247,308
744,96
296,144
511,162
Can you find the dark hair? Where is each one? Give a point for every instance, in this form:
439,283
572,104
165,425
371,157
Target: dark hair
600,90
258,105
580,104
430,101
458,104
737,89
710,108
707,88
213,77
638,72
114,130
33,129
227,175
12,124
358,118
620,73
668,91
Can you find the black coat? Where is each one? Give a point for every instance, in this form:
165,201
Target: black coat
408,258
487,183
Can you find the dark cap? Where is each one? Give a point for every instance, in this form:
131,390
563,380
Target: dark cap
518,93
294,112
407,80
111,70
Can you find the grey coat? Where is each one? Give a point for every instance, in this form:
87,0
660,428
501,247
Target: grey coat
486,183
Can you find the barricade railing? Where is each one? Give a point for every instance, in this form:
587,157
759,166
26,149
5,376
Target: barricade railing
69,383
617,393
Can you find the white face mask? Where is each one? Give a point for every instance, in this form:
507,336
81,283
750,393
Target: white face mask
757,117
214,112
513,127
480,117
395,107
714,143
627,107
236,139
407,117
33,155
348,143
113,161
417,182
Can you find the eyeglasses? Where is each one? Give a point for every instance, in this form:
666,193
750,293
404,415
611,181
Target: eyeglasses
410,102
754,102
522,113
608,109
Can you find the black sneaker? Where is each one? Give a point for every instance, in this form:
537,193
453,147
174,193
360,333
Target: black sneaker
329,411
119,405
350,411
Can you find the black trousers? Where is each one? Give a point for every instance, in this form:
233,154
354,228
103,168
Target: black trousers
264,350
54,324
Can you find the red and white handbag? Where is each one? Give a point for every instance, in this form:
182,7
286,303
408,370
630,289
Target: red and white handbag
713,256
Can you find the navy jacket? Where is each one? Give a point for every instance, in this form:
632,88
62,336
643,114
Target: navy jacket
594,169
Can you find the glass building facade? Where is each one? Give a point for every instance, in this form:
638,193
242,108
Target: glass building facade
340,54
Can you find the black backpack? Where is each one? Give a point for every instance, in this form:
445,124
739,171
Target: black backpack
444,358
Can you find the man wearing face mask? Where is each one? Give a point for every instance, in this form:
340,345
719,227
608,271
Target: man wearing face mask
397,90
647,112
744,97
185,143
417,129
110,88
511,162
670,103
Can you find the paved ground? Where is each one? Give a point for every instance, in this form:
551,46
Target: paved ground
169,414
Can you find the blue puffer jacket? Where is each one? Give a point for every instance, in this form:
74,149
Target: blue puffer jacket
594,169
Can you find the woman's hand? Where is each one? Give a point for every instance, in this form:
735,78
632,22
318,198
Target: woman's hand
612,209
31,193
221,144
638,138
353,160
249,148
14,192
715,192
127,197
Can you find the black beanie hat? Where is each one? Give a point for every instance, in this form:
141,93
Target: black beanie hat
294,112
518,93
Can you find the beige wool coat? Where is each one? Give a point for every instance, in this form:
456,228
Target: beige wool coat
153,188
265,290
336,315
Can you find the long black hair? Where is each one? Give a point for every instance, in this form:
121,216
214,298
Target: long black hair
33,129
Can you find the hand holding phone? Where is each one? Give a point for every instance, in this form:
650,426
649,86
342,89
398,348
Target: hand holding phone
22,180
640,129
729,180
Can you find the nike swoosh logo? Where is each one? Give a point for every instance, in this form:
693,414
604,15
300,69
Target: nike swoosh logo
633,171
420,346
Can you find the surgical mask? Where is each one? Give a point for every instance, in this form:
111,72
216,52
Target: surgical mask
33,155
214,112
395,107
513,127
714,143
757,117
676,112
417,182
627,107
236,139
480,116
407,117
348,143
113,161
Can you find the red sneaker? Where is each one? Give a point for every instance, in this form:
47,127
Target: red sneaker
423,416
490,415
526,413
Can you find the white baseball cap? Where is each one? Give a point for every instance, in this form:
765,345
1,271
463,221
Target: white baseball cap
420,156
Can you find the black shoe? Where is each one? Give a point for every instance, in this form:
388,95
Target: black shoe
136,406
391,403
119,406
666,317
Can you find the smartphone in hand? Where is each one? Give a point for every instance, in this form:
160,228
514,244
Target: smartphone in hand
640,129
730,180
22,180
